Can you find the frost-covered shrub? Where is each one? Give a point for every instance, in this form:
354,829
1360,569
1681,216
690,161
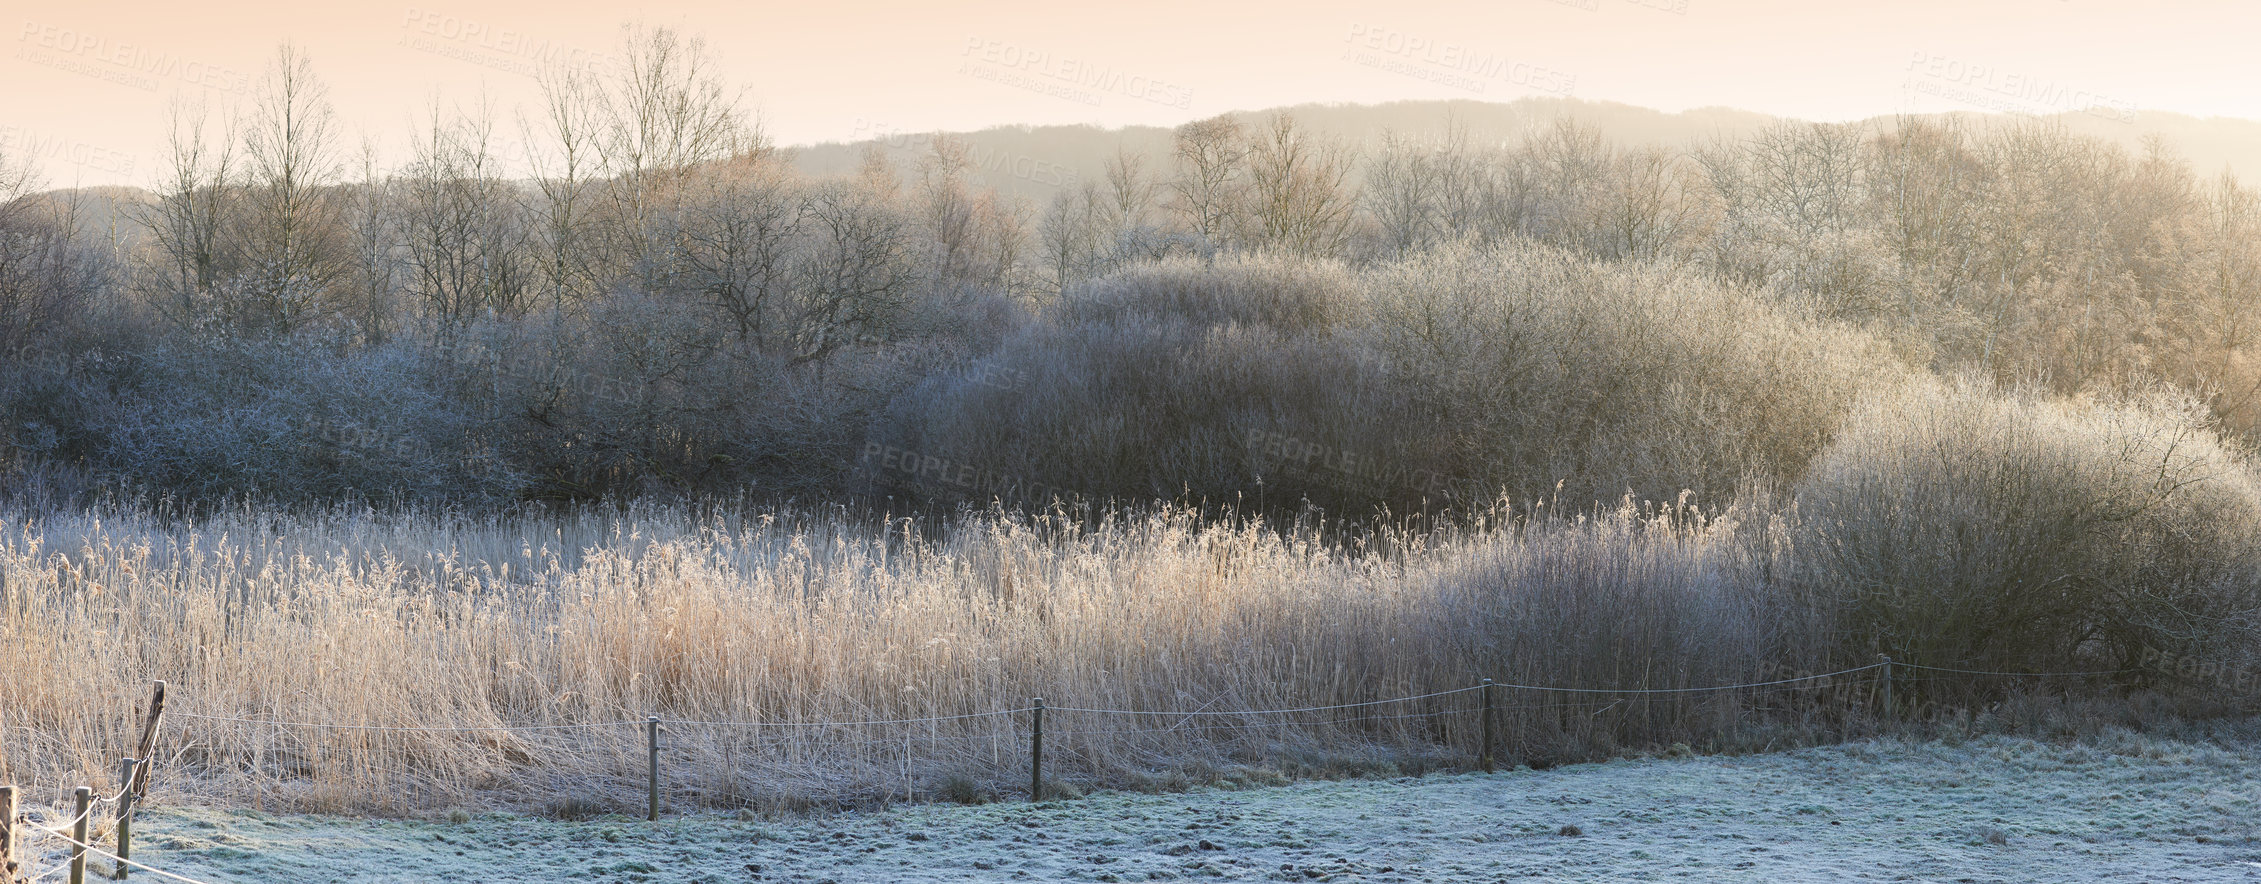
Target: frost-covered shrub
289,418
1166,380
645,398
1536,370
1292,295
1954,524
1443,379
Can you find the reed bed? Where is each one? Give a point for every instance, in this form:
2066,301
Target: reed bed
402,662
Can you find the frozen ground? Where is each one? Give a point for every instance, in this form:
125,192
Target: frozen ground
2122,808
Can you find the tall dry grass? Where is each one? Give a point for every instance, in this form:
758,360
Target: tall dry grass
792,622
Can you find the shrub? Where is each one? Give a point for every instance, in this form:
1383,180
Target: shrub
1295,296
1148,384
1954,524
286,418
1445,378
1543,373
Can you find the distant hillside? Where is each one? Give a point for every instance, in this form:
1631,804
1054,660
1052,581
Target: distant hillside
1034,162
105,213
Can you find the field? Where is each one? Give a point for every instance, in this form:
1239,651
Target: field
2117,807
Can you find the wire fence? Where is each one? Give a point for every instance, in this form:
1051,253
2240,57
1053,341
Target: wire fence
793,735
83,848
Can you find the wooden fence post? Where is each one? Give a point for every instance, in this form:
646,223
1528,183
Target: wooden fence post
1485,756
127,770
1887,682
85,806
148,748
1036,754
8,866
651,742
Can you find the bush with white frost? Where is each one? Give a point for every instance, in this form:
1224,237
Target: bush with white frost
1956,524
1536,369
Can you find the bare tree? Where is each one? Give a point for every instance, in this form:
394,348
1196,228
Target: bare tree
1003,222
295,242
376,237
1923,181
2226,289
1131,191
876,177
667,114
1404,194
1568,166
1645,209
1787,198
1299,191
855,276
1210,183
45,272
190,223
466,243
564,182
973,240
736,236
946,209
1072,234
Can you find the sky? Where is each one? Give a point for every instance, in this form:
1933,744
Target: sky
89,81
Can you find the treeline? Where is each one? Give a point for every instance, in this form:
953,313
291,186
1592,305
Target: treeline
1261,316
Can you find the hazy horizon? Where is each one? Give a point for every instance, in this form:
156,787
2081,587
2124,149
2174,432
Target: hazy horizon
94,81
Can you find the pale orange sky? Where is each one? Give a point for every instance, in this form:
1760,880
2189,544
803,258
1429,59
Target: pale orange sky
88,80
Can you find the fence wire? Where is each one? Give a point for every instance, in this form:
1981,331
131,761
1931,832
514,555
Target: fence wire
1179,713
94,851
1189,722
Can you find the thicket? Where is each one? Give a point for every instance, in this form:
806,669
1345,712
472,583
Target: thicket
664,307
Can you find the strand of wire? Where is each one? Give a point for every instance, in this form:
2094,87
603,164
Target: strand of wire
97,801
935,719
2018,674
1251,726
99,852
1100,711
50,873
1209,712
1363,719
1713,688
309,725
1701,690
